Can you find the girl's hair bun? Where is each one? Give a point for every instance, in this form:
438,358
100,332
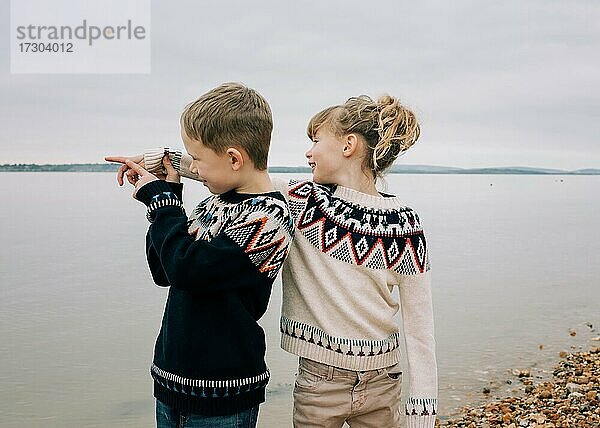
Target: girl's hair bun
387,126
398,130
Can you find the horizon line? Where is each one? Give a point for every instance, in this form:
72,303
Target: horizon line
307,167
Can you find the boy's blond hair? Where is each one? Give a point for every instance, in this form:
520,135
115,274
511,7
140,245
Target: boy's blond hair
231,115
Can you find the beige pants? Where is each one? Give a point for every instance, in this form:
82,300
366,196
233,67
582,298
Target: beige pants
326,397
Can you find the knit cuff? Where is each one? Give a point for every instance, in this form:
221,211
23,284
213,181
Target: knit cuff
176,188
163,201
149,190
157,194
153,159
420,421
421,412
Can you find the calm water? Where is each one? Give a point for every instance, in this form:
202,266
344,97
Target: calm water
514,262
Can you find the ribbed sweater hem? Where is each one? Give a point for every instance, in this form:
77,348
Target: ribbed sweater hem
209,406
420,421
321,354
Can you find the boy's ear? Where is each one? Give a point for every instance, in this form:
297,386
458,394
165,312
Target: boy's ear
235,158
350,142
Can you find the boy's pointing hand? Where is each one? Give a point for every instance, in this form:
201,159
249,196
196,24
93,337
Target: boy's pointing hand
124,170
144,176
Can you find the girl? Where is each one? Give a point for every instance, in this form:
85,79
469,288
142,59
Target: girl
352,246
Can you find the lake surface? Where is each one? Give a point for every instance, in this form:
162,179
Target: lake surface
515,264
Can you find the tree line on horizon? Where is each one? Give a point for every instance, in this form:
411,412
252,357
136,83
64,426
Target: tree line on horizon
396,169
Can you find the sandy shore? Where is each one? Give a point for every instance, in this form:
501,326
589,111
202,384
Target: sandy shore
570,399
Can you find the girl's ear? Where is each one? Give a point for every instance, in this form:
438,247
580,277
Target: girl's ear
235,158
350,142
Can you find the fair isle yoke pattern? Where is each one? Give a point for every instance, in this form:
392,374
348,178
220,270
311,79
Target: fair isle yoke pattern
374,238
258,225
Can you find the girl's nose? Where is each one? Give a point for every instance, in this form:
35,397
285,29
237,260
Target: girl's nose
308,154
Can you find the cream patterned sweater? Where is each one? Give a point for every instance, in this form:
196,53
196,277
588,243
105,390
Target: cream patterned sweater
349,252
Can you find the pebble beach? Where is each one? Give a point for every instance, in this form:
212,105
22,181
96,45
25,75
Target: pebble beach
568,399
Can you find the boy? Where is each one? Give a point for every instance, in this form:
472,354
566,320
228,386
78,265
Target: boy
219,264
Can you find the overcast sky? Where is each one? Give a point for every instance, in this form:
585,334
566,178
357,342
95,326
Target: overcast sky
493,83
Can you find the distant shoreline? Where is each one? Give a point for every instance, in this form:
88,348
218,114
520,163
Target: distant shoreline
396,169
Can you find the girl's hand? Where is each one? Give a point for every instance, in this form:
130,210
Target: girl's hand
144,176
172,174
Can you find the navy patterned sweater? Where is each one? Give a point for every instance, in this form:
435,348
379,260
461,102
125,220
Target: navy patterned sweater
219,265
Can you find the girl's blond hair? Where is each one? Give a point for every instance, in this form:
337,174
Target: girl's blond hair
387,126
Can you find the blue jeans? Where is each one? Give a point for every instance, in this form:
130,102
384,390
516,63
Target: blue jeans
168,417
